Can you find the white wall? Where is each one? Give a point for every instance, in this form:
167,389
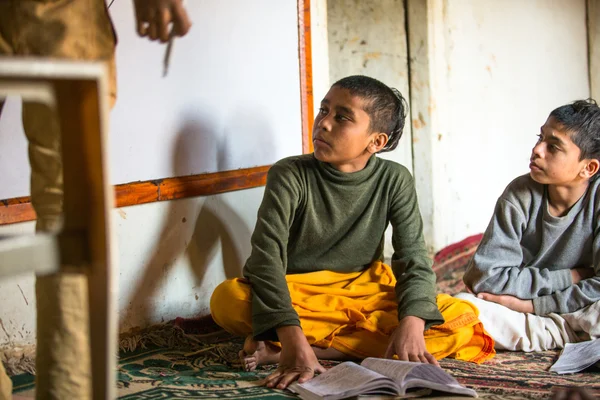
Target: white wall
14,165
233,94
494,71
230,87
171,257
320,51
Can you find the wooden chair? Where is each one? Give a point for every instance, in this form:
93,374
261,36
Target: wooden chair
78,93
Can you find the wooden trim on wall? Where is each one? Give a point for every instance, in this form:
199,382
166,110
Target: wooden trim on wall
19,209
306,82
15,210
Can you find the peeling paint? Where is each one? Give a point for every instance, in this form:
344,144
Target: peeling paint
374,55
432,107
122,213
421,119
439,137
5,332
23,294
420,122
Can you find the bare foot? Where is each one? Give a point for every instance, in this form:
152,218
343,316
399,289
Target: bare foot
257,353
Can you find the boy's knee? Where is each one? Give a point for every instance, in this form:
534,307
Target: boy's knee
229,291
230,306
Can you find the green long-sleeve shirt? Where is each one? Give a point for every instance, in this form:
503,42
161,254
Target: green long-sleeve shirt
314,217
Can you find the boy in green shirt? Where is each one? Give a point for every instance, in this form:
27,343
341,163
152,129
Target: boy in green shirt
315,282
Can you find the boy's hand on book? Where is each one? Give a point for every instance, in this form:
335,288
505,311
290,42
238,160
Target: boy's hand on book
408,343
512,302
297,361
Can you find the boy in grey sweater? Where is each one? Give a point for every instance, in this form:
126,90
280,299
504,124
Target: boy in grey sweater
536,274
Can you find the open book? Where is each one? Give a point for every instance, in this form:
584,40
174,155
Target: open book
576,357
377,376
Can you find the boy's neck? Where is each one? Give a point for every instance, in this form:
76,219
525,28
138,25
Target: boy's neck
358,164
562,198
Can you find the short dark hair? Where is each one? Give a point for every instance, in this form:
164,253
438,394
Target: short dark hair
582,120
385,105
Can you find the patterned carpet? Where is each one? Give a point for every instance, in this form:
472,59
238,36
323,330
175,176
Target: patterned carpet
195,360
211,371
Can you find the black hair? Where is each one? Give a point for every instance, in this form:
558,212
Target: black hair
385,105
582,120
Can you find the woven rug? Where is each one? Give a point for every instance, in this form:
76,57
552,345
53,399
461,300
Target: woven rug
211,371
190,359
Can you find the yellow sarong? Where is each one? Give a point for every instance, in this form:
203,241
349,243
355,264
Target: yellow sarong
355,313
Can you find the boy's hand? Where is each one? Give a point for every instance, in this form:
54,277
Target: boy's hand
154,17
408,343
512,302
297,360
579,274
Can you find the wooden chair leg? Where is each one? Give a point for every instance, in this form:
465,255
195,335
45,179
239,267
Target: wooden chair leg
86,242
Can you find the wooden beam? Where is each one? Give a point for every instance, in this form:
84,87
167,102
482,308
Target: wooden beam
19,209
306,84
15,210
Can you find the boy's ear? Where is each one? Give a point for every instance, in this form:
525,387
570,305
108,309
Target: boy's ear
378,142
591,168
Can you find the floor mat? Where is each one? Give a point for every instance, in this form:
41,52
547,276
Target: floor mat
206,367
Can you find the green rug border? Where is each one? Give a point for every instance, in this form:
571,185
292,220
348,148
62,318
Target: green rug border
23,382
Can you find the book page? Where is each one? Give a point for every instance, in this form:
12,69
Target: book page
394,369
577,356
409,374
344,380
431,373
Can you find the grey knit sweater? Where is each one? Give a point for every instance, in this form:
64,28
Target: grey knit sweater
528,253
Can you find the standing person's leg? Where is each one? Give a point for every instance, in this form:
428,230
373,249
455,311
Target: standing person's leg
5,384
62,29
62,320
5,49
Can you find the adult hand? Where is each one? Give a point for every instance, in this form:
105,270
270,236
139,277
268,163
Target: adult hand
512,302
297,360
154,17
408,343
579,274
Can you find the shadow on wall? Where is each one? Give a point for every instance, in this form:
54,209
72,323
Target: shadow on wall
198,147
